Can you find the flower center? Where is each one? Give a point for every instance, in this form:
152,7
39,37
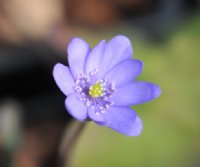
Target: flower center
94,93
96,90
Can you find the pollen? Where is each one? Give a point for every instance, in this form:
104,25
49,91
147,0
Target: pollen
96,90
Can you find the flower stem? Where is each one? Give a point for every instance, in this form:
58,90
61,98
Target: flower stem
70,137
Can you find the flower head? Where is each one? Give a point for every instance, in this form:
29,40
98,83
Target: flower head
100,84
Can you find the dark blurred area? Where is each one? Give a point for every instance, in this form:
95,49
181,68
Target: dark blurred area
33,37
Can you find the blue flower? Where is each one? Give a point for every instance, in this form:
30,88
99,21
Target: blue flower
100,84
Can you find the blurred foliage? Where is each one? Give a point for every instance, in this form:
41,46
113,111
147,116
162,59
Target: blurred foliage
171,123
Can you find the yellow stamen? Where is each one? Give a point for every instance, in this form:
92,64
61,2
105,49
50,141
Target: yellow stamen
96,90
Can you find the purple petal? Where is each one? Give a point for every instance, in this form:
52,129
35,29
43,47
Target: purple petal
124,120
118,49
77,50
76,107
125,72
135,93
63,78
96,117
95,56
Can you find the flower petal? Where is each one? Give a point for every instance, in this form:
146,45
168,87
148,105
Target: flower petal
95,56
63,78
125,72
77,50
76,107
124,120
118,49
96,117
135,93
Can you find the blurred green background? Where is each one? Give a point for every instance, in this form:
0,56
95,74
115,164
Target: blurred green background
171,122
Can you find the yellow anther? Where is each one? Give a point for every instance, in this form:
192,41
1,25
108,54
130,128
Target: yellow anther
96,90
